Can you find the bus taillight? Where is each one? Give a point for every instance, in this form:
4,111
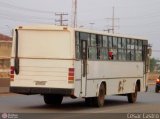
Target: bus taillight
71,75
12,73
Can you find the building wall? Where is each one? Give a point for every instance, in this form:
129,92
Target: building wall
5,49
5,53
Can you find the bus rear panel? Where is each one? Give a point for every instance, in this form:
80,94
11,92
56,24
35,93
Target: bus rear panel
45,61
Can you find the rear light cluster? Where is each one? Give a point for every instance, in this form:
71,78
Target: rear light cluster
158,80
12,73
71,75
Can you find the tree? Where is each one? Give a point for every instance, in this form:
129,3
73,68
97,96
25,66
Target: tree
153,62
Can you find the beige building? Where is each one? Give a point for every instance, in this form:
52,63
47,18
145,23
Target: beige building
5,53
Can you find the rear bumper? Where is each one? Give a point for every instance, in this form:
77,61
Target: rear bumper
31,90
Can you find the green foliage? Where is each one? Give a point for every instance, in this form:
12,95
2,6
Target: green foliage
153,62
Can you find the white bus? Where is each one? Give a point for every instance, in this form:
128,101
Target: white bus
57,61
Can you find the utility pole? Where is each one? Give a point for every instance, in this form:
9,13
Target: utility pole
74,13
61,19
113,21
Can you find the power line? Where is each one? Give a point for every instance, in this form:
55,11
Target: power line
61,19
4,4
148,15
13,14
21,19
113,21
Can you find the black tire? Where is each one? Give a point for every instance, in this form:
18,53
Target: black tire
132,97
99,101
156,90
53,99
89,101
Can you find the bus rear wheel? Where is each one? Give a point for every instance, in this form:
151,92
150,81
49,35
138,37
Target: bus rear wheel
132,97
99,101
53,99
156,90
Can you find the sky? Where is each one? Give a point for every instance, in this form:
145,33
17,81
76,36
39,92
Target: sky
135,17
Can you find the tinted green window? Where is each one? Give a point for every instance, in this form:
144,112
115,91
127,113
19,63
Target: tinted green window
99,40
123,54
105,41
78,53
128,44
119,54
110,42
92,53
119,43
132,44
114,42
132,55
103,54
93,40
123,43
84,36
139,45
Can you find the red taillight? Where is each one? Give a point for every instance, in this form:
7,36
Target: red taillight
71,69
71,75
12,73
12,70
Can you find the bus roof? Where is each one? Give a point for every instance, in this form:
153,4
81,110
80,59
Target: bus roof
53,27
110,34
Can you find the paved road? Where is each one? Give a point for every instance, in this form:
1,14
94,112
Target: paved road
147,102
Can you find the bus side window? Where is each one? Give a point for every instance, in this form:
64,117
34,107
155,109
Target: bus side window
92,53
115,48
110,46
78,54
110,54
120,49
128,49
99,42
124,49
105,48
139,50
132,50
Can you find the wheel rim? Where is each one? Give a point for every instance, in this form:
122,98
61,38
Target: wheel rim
101,100
101,96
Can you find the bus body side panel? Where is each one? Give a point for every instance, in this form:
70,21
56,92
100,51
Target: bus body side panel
120,77
78,78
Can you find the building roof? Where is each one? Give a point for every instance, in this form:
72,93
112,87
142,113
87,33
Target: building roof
5,37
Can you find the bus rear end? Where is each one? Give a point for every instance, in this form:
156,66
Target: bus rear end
42,61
